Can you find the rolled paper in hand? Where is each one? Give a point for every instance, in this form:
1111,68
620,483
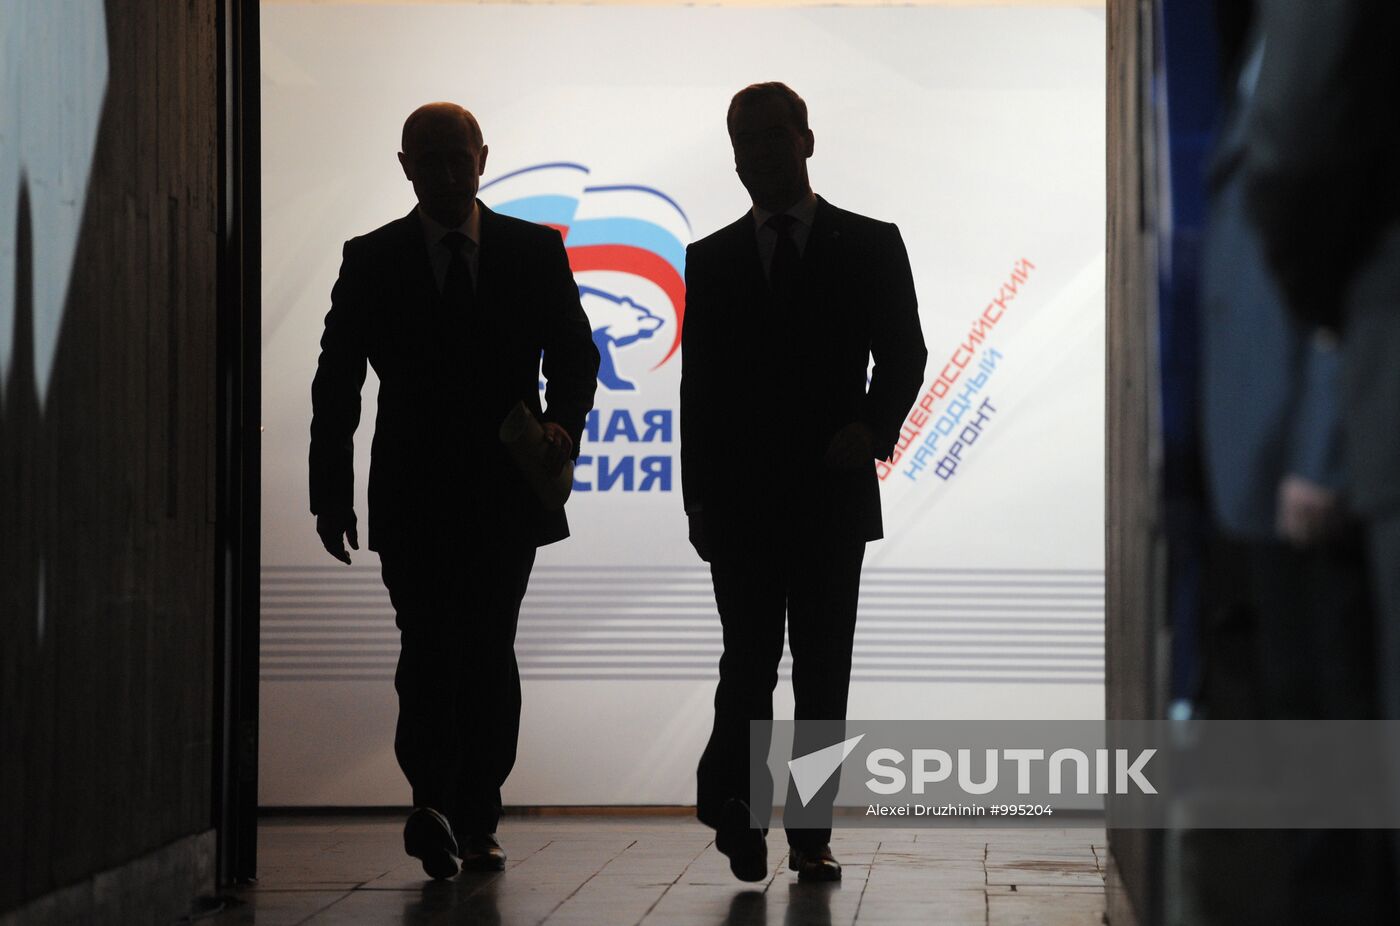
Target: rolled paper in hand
524,439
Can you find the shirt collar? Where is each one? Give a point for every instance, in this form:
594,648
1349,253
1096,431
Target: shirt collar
804,211
433,231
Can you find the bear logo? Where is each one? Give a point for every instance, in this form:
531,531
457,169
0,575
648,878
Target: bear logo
617,323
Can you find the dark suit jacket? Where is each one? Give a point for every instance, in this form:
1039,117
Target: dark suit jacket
1323,175
447,379
1269,391
761,397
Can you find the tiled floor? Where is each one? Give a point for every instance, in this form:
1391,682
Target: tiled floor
664,870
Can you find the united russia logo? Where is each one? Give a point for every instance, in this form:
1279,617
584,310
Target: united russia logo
626,246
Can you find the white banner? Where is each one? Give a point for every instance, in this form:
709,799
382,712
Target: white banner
979,131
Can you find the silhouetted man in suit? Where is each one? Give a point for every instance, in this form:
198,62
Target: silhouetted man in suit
458,309
1323,182
1272,454
779,435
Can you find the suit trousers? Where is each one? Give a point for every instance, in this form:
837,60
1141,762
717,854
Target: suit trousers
1383,549
811,588
1289,631
1289,636
456,606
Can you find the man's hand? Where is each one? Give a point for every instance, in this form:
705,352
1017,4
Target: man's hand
851,447
698,538
558,447
1307,512
334,529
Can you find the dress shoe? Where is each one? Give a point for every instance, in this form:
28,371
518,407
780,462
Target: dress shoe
427,836
738,839
814,864
481,852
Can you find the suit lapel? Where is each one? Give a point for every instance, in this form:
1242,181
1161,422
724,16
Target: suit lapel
741,243
491,256
419,285
821,242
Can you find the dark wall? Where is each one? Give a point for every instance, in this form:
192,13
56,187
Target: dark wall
107,486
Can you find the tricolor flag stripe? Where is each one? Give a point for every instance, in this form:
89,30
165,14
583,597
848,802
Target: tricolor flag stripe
624,187
645,264
632,232
634,202
545,210
559,176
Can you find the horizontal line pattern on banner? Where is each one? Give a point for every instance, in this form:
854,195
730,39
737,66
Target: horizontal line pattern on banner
618,623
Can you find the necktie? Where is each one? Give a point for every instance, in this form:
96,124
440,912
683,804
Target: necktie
783,271
458,288
454,315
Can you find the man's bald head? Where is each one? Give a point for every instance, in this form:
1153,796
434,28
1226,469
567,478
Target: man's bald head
443,157
433,121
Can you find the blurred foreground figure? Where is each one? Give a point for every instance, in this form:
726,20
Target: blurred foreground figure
1290,609
1322,185
1288,604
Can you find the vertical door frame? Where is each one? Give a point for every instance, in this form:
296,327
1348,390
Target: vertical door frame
238,516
